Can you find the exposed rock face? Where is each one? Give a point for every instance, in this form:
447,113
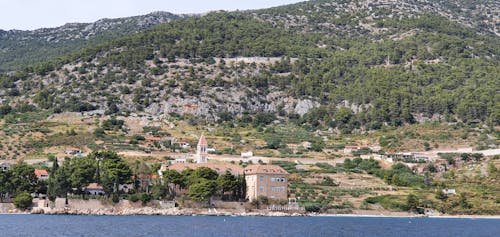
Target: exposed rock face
303,106
72,31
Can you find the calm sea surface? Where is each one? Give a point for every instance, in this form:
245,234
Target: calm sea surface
42,225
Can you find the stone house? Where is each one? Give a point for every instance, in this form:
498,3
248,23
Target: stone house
266,180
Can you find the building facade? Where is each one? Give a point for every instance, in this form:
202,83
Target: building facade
266,180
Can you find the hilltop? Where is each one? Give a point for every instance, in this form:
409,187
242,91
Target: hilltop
20,48
360,17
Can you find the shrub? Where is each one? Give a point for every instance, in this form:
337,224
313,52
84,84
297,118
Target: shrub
312,207
133,198
145,198
23,201
115,198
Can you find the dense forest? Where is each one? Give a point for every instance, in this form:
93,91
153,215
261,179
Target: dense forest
418,67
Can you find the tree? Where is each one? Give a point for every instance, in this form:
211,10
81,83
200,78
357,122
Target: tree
432,168
463,202
99,132
313,207
23,200
24,178
427,146
477,156
51,182
412,202
318,146
273,142
173,179
159,191
6,186
228,183
113,170
203,190
441,195
81,173
201,174
62,183
465,156
142,178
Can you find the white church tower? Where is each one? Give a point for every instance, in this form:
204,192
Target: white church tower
201,150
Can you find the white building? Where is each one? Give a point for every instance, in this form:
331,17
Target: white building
449,191
246,154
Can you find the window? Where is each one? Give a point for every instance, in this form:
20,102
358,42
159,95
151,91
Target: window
272,179
261,188
261,178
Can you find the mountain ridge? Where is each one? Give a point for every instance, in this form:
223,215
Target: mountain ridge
19,47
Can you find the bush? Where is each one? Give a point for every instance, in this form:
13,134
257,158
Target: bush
23,201
312,207
145,198
115,198
133,198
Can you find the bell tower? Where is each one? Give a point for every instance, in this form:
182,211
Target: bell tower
201,150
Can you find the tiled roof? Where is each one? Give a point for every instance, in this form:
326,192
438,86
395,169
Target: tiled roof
94,186
264,169
153,139
202,140
40,173
219,168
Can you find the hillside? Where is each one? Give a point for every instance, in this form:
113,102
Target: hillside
361,17
251,68
20,48
294,84
435,69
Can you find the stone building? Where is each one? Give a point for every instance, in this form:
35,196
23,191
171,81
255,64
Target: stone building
266,180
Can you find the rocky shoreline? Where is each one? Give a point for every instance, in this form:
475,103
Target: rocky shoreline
150,211
121,210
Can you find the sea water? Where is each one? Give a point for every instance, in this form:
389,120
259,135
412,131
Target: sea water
63,225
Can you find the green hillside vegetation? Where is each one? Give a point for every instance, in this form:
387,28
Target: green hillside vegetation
390,81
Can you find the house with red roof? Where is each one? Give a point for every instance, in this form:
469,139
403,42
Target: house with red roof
153,139
41,174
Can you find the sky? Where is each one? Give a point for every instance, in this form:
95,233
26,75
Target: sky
34,14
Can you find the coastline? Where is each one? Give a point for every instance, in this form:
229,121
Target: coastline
148,211
126,208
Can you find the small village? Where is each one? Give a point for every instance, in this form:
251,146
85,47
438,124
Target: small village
253,183
223,184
